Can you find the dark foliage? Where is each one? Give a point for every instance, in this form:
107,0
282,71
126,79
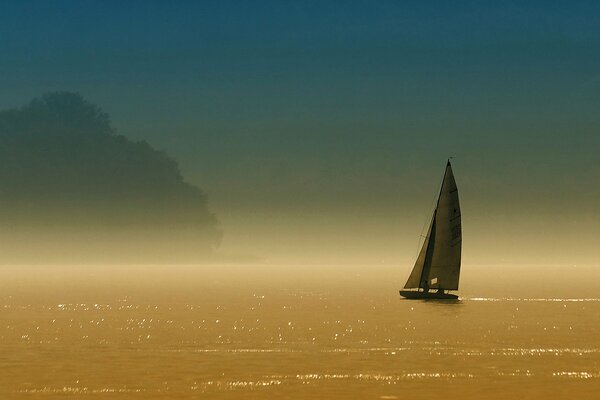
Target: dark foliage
63,165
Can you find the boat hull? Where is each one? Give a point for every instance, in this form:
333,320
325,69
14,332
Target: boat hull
415,295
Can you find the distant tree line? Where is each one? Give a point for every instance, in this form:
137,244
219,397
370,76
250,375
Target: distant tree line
64,166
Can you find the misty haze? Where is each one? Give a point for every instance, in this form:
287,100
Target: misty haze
267,199
74,191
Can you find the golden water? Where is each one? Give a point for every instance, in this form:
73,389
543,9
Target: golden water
181,332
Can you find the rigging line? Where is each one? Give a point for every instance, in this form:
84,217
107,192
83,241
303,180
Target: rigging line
423,233
431,209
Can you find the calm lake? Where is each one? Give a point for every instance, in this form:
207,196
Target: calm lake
295,332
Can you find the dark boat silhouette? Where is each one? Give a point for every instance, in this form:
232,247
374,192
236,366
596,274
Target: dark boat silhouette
437,268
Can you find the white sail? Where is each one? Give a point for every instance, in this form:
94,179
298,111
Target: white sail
414,280
438,263
444,269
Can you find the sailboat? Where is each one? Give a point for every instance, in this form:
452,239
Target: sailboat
437,268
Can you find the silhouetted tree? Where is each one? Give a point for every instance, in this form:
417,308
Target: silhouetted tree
62,164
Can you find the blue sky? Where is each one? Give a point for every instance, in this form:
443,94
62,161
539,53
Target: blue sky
326,106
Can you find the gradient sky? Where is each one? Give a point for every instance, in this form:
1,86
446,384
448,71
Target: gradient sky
320,129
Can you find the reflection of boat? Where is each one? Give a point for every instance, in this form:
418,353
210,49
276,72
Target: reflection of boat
438,265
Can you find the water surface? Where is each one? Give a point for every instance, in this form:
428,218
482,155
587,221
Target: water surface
270,331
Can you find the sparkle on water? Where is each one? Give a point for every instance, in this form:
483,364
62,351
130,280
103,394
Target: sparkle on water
261,332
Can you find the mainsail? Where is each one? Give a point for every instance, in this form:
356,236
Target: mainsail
438,263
